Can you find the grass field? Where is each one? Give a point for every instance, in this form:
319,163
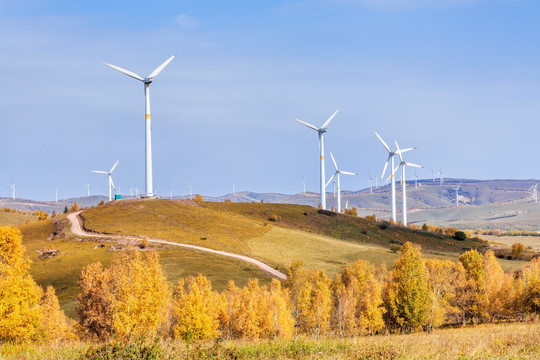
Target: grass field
13,219
532,241
506,341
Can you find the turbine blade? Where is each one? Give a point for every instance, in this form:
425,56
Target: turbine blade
329,119
112,183
330,180
126,72
114,166
348,173
307,124
405,150
161,67
99,172
333,160
385,166
384,144
413,165
398,151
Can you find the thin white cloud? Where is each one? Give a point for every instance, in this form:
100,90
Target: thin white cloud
187,22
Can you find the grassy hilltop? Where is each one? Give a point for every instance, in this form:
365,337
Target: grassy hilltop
273,233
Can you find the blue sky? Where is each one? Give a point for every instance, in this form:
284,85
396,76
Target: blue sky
459,79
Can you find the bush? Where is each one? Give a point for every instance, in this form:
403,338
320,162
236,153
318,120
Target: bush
384,225
395,248
517,250
326,212
274,218
425,227
351,211
460,235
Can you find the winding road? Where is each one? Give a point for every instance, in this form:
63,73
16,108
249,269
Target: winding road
79,231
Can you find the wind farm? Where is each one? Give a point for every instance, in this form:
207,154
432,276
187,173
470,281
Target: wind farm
248,240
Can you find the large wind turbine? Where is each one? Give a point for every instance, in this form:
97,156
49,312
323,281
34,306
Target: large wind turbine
111,183
147,81
336,174
403,164
393,170
457,194
321,132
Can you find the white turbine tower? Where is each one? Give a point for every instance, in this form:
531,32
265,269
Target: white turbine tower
336,174
12,189
534,189
403,164
88,188
56,195
111,183
370,182
457,194
321,132
441,177
147,81
304,184
391,155
415,181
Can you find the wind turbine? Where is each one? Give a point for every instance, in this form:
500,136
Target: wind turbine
56,195
336,174
534,189
88,188
441,178
304,183
391,155
403,164
190,192
147,81
457,194
12,188
111,183
321,132
370,184
415,181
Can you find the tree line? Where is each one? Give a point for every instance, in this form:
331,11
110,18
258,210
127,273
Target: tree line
131,299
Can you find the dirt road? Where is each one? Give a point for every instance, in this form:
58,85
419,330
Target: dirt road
79,231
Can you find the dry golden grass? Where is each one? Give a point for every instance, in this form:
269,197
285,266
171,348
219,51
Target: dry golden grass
505,341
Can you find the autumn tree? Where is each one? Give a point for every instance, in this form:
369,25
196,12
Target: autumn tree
475,300
299,290
316,315
530,278
445,280
358,300
196,309
127,300
20,313
517,250
54,325
75,207
407,293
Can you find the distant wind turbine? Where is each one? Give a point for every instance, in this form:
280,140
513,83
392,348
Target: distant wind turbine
88,189
393,170
321,132
147,81
404,164
337,176
441,178
304,183
457,194
534,189
370,184
109,173
56,195
415,180
12,189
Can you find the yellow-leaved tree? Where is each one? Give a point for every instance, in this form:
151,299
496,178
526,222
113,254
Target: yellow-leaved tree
316,316
358,296
20,313
531,287
54,326
474,301
127,301
196,309
445,280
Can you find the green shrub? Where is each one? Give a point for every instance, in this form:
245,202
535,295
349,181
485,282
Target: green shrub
460,235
